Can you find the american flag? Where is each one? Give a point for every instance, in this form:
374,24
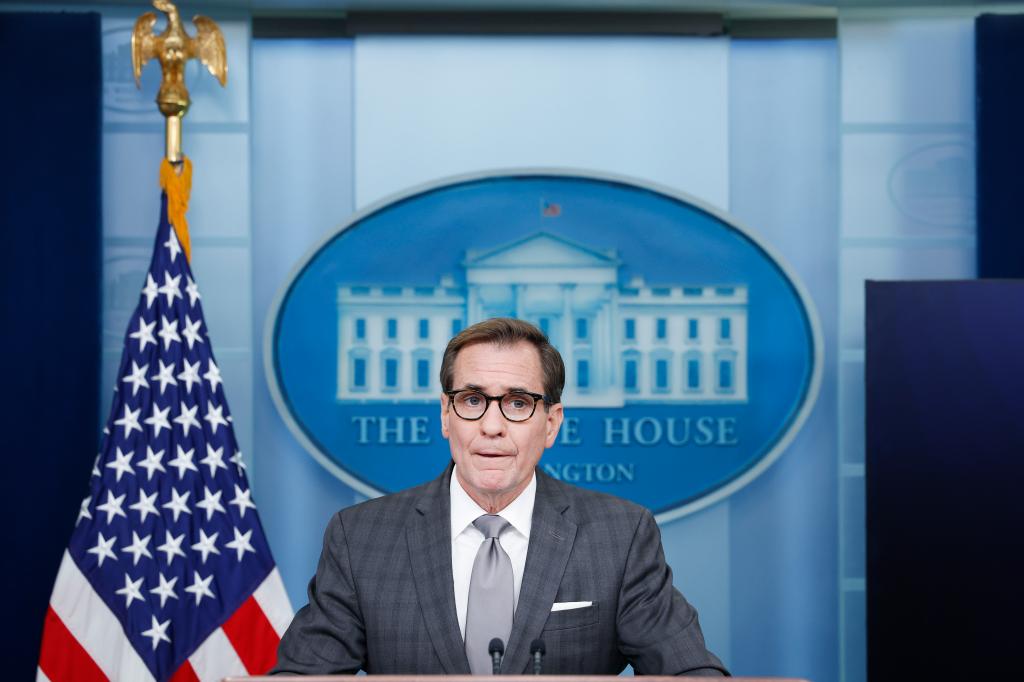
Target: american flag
168,574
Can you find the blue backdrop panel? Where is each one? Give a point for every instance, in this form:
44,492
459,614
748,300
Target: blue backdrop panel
999,53
944,472
50,314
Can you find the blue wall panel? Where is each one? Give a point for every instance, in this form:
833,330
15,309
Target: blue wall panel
301,187
783,140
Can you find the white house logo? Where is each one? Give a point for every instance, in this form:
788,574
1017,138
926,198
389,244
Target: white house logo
621,344
691,355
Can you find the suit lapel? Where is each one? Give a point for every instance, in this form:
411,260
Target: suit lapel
430,551
551,538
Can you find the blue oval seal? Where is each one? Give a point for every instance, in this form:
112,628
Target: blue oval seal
693,354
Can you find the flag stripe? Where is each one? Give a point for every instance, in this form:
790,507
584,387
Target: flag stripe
184,674
273,599
215,659
41,676
253,637
95,627
61,657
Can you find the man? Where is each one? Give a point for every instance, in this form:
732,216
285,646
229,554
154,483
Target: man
421,581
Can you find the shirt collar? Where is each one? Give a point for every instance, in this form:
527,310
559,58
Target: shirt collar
519,513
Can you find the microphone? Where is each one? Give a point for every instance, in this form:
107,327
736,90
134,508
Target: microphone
496,649
537,651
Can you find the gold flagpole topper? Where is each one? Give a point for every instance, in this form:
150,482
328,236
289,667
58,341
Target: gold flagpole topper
172,49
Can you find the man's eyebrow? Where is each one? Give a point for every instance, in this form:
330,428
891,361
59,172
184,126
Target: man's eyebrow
475,387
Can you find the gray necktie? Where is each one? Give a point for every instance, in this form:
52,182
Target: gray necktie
491,596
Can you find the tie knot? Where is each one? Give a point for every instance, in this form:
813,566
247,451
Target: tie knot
491,525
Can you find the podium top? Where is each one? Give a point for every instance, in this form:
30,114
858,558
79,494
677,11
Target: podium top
490,678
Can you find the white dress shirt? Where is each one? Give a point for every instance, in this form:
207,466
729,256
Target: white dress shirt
466,539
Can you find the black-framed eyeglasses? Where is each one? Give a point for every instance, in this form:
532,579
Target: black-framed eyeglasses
515,406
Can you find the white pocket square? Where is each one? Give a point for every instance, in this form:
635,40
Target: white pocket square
566,605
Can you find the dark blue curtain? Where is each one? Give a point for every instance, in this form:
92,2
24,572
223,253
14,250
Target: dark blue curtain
999,84
50,71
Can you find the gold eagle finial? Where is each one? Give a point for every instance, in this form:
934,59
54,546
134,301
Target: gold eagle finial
172,49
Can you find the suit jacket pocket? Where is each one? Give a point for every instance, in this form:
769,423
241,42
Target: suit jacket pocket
572,618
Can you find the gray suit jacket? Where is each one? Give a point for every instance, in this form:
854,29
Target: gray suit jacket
382,599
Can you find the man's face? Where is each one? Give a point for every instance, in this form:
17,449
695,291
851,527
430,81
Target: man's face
496,457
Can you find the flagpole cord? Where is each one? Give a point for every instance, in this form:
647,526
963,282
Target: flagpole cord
178,187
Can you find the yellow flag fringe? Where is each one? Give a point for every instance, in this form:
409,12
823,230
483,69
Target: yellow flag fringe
178,188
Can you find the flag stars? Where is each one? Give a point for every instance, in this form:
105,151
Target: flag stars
211,502
215,416
152,462
171,288
193,292
178,505
130,421
165,590
187,417
200,587
207,544
145,506
190,375
214,459
137,378
241,543
150,291
83,511
166,314
183,462
242,500
168,331
236,459
139,548
122,464
213,375
172,245
158,420
104,549
165,376
158,631
112,506
191,332
172,544
144,334
131,590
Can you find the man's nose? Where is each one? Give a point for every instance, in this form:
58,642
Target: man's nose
493,422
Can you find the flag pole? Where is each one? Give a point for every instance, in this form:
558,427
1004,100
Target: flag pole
172,49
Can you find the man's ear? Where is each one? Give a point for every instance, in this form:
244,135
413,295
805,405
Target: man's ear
444,415
554,423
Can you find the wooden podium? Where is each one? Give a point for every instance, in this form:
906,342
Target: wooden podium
490,678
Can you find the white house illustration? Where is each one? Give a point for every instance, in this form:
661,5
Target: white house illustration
670,342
